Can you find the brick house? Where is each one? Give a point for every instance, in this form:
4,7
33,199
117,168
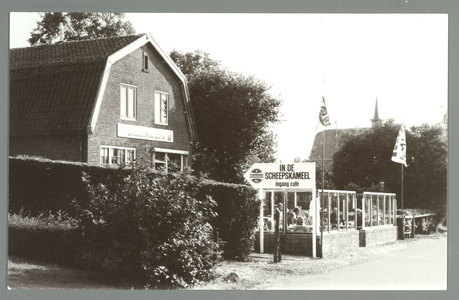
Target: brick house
102,101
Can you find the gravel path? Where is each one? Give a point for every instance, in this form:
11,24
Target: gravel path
420,265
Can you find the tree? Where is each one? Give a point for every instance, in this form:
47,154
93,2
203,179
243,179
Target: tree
425,179
79,26
364,160
233,114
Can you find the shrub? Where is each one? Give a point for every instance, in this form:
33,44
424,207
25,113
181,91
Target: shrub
48,237
238,210
149,223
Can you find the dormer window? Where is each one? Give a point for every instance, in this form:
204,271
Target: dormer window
145,62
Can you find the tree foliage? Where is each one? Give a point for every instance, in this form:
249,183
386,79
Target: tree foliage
233,114
364,161
79,26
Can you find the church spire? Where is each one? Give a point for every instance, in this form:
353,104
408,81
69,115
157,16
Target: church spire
376,121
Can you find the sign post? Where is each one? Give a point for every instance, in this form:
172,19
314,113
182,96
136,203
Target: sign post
284,177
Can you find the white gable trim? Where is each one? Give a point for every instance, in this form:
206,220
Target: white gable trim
181,76
167,58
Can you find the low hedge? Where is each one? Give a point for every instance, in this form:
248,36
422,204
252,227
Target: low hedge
51,238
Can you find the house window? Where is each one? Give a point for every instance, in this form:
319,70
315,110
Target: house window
166,159
161,108
104,156
145,62
128,96
116,155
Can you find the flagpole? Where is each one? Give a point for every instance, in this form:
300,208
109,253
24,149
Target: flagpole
403,214
323,122
402,187
322,198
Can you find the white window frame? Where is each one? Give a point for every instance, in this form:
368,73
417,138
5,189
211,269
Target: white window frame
111,151
183,157
159,118
124,102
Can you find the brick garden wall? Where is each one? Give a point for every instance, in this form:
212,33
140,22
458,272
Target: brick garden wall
337,243
377,235
292,243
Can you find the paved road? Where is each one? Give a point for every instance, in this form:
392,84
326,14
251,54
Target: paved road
421,265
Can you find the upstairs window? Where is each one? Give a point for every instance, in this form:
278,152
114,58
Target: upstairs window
161,108
128,95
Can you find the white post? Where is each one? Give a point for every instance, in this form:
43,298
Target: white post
262,240
314,224
384,209
363,211
272,210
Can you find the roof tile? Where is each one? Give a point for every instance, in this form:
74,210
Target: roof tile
54,87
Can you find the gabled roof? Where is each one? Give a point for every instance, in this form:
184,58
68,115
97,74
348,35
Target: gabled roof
58,88
332,144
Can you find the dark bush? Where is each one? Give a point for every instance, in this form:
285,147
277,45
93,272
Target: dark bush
151,224
238,210
47,237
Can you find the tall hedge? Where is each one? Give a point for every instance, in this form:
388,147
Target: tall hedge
37,184
238,209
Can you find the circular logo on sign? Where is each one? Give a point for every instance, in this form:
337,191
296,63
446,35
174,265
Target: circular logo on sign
256,175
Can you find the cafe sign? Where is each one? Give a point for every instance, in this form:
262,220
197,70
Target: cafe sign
282,176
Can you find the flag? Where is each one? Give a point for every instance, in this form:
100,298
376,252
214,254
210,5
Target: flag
323,120
399,153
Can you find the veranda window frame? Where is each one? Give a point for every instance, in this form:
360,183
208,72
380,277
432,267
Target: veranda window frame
380,197
349,196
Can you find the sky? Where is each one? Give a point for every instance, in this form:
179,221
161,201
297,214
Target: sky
349,59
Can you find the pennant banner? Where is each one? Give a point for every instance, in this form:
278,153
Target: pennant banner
324,120
399,153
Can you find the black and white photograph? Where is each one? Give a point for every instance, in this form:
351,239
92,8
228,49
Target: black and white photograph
227,151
